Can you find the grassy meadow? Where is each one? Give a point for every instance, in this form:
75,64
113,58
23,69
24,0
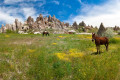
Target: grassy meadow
57,57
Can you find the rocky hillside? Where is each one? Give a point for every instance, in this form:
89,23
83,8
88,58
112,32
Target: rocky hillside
44,23
41,23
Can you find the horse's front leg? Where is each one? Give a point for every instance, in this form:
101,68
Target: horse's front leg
98,49
43,34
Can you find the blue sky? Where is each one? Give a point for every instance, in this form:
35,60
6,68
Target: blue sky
93,12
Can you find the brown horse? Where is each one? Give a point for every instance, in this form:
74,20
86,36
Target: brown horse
100,41
45,33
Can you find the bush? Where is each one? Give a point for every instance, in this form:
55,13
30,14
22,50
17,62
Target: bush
119,32
10,31
113,41
108,33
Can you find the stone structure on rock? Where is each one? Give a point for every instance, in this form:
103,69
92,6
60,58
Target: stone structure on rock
101,30
40,23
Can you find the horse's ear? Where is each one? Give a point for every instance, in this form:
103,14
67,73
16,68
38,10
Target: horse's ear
93,33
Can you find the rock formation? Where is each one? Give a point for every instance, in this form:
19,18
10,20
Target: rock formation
82,24
116,28
101,30
30,22
41,23
75,26
67,24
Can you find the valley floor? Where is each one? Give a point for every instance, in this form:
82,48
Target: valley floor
57,57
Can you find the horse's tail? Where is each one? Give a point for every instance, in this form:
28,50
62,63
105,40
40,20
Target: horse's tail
107,40
107,43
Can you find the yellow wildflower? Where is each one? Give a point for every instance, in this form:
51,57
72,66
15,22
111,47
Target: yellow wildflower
60,36
73,53
54,43
81,36
72,50
76,55
62,56
12,66
31,51
93,49
58,39
89,37
117,38
113,47
7,36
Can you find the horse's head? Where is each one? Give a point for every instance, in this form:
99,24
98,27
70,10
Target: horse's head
93,36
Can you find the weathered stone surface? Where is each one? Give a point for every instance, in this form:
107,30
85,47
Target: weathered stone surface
14,27
30,22
67,24
54,18
49,18
3,28
18,24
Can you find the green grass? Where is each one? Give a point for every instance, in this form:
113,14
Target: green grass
57,57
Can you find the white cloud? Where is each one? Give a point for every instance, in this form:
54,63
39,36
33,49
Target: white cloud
16,1
81,2
108,13
8,15
56,2
29,12
12,1
22,12
4,17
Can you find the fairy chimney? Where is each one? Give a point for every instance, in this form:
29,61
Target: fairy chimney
30,21
49,18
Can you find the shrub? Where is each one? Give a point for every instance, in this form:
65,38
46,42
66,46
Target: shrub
108,33
10,31
119,32
114,41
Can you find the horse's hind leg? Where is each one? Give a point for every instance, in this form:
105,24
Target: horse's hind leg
106,47
47,34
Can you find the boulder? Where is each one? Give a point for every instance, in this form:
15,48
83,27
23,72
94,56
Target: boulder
37,33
